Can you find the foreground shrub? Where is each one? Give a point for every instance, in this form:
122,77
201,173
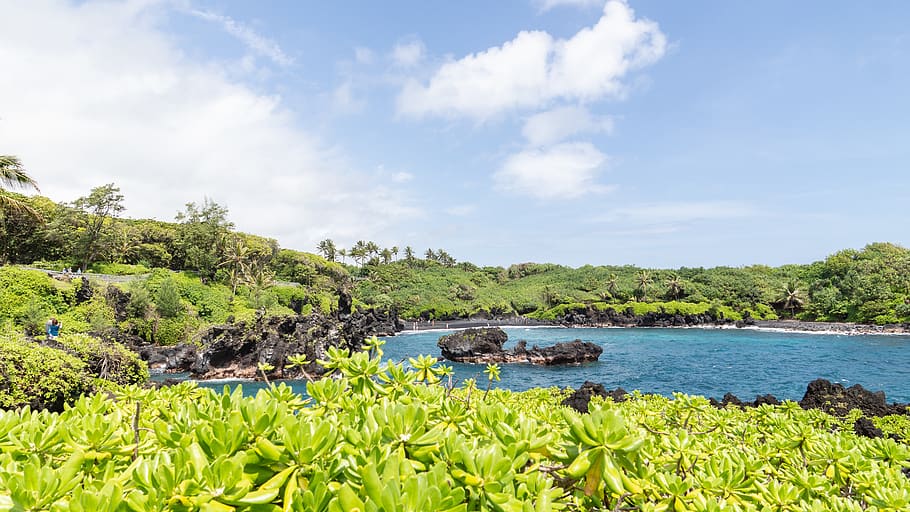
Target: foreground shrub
107,360
37,376
385,436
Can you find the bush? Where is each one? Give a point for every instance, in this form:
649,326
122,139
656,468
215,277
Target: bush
37,376
169,331
167,299
107,360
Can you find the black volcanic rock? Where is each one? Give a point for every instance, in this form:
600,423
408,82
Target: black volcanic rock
484,345
834,398
462,346
581,397
865,428
235,350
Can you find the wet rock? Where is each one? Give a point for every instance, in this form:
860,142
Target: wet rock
484,345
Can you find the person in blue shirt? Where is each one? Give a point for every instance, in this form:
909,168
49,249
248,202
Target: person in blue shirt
52,327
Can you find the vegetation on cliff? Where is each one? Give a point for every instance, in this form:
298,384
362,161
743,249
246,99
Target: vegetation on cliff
222,272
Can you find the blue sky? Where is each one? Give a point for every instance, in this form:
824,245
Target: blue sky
655,133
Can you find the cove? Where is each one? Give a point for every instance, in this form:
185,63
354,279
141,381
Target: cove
708,362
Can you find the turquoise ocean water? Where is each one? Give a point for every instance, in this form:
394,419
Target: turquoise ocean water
707,362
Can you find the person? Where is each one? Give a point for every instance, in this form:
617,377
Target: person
52,328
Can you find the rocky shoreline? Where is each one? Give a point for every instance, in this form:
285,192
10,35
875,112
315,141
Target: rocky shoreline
821,394
234,351
663,320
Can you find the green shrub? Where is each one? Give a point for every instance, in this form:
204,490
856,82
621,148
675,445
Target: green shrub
107,360
93,315
37,376
169,331
167,299
23,292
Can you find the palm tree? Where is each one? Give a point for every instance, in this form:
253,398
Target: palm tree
644,281
235,257
343,253
13,175
792,297
612,284
674,287
409,255
327,249
386,255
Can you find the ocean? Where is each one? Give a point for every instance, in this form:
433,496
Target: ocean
708,362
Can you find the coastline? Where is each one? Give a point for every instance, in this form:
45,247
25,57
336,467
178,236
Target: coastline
794,326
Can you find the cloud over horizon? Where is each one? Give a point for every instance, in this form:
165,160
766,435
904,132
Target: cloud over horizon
563,171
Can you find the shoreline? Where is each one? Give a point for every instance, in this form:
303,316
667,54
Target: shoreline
794,326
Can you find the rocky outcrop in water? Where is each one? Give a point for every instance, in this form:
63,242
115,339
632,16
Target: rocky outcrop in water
235,350
484,345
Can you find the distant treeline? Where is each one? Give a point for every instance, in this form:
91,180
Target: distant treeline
871,285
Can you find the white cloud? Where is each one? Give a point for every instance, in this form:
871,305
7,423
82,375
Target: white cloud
461,210
563,171
408,54
677,212
561,123
252,40
102,95
546,5
363,55
345,99
533,69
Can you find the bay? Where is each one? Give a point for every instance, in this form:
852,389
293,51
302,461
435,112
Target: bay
708,362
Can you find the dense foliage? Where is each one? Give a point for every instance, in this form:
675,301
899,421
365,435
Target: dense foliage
871,285
51,375
387,437
41,377
867,286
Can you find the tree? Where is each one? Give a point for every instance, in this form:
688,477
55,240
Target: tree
409,255
386,255
674,287
327,249
13,175
343,253
612,283
234,259
201,236
792,298
167,299
359,253
643,281
98,208
259,278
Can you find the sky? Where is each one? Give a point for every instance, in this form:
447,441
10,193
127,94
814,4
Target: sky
654,133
